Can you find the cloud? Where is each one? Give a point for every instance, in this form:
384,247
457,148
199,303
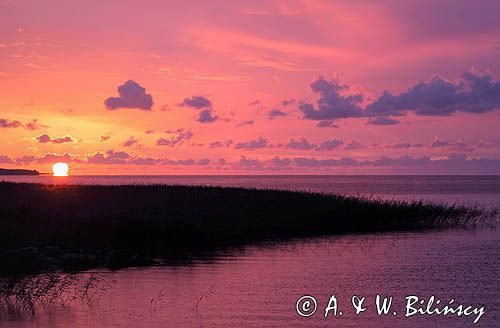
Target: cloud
255,102
286,102
249,162
130,142
45,138
4,123
273,113
48,158
220,144
60,140
149,131
294,144
248,122
4,159
281,162
110,157
181,137
104,138
332,103
253,144
439,143
327,124
472,93
131,95
406,145
34,125
300,144
197,102
382,121
458,145
353,145
330,144
207,116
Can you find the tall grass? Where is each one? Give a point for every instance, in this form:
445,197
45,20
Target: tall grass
172,221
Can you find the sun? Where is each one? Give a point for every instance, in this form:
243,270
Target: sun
60,169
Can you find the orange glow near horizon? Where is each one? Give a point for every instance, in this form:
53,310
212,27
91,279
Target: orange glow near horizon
60,169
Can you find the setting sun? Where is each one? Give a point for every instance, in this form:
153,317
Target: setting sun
60,169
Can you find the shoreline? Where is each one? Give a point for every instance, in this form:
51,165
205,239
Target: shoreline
76,227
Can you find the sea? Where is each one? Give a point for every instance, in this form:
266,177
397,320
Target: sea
294,283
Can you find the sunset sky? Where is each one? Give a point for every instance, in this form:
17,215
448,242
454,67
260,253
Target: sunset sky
251,87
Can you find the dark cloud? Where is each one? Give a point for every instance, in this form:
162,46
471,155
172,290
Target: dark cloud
248,122
399,145
253,144
273,113
220,144
382,121
314,162
203,161
197,102
353,145
130,142
439,143
332,103
149,131
458,145
104,138
45,138
131,95
327,124
110,157
281,162
330,144
206,116
180,137
60,140
286,102
255,102
300,144
249,162
144,161
4,123
472,93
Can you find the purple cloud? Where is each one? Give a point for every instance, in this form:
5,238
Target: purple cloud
45,138
353,145
330,144
327,124
197,102
273,113
253,144
181,137
207,116
300,144
382,121
131,95
4,123
332,103
439,97
130,142
4,159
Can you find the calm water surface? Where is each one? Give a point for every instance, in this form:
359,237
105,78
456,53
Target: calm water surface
257,286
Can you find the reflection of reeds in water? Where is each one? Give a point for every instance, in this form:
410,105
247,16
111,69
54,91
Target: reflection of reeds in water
21,294
75,227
